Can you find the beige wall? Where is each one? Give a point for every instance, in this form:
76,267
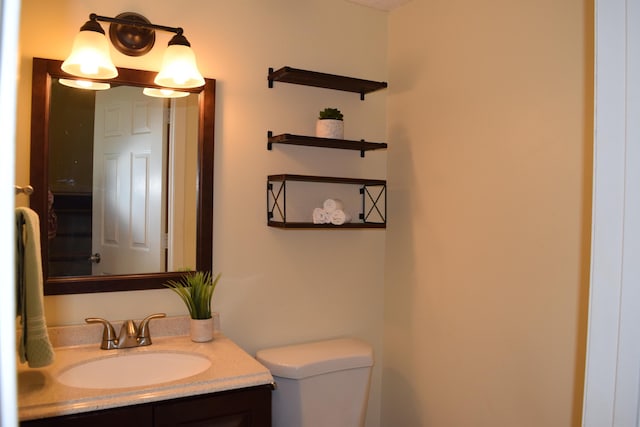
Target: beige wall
490,110
489,127
278,286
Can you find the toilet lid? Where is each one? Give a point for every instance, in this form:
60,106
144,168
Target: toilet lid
315,358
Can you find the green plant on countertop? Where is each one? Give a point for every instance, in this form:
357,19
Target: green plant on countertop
331,113
196,290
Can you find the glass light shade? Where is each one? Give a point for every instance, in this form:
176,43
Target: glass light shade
164,93
85,84
90,57
179,68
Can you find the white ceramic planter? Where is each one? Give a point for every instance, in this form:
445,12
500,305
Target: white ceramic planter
202,330
330,128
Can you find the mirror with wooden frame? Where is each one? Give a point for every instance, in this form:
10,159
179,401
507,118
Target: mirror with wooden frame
112,217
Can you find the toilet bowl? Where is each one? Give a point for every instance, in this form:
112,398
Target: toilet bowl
320,384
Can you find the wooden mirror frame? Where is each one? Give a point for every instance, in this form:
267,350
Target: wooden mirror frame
44,70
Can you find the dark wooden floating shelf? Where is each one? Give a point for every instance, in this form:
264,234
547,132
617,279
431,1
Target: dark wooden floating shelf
328,81
299,225
313,141
328,179
364,184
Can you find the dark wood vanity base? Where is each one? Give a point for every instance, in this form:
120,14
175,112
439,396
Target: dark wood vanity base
246,407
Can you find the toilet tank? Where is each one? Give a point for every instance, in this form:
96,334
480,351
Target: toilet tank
320,384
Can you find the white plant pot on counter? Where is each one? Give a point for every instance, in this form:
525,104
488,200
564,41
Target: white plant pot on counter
202,330
330,128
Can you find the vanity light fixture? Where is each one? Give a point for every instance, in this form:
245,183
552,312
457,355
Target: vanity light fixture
133,35
90,57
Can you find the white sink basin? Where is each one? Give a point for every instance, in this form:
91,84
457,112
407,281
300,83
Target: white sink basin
133,369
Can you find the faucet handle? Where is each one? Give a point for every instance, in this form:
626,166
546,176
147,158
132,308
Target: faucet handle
109,340
144,337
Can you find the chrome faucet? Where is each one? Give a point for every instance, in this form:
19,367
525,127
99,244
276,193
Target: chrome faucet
130,334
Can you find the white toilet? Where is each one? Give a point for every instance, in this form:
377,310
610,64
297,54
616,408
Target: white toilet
320,384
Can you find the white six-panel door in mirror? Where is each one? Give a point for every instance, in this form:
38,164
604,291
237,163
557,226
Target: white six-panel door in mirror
130,140
123,182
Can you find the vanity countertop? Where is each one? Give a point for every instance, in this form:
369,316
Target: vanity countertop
41,396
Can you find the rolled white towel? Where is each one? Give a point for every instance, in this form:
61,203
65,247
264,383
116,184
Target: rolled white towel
320,216
331,205
339,217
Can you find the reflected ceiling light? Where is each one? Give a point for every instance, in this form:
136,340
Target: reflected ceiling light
164,92
132,34
84,84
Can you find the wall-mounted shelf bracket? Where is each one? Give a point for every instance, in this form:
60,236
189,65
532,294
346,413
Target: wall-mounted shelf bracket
370,202
273,200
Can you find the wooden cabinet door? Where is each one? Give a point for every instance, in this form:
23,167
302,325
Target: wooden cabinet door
239,408
126,416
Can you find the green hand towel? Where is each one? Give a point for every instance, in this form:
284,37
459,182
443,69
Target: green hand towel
35,347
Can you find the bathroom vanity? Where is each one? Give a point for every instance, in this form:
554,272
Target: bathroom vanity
244,407
232,389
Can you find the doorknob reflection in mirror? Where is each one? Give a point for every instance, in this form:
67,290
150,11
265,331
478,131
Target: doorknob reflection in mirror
95,258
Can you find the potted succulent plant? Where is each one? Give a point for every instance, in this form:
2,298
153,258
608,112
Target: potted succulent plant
196,291
330,124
